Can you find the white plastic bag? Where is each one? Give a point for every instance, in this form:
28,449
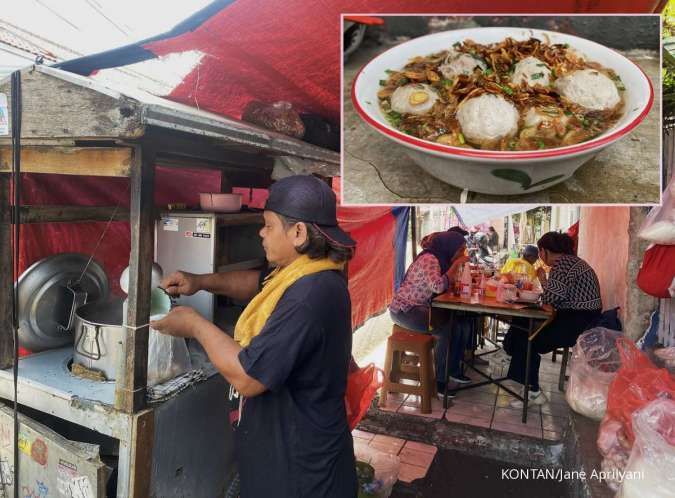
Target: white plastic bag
386,468
651,468
168,356
594,363
614,446
659,225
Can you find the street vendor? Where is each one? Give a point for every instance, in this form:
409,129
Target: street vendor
523,264
291,350
572,290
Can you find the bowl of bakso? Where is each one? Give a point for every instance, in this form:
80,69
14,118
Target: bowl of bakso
502,110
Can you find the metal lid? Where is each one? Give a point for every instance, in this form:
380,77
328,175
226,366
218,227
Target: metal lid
46,298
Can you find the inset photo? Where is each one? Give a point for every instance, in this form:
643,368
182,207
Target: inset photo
502,109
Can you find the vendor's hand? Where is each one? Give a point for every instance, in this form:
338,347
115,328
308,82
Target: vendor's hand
181,283
182,321
541,275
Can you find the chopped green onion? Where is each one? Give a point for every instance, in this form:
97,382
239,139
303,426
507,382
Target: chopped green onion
512,145
446,82
541,65
457,44
553,73
568,113
618,82
402,81
585,123
566,45
541,144
507,89
383,82
394,118
460,137
488,71
537,76
389,71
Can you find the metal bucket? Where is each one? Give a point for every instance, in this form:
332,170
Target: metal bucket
98,336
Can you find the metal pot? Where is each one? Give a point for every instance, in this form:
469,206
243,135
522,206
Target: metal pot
98,336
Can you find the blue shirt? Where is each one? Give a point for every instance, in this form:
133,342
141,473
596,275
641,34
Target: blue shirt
293,440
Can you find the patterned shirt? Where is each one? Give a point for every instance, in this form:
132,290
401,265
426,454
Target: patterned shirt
572,285
422,282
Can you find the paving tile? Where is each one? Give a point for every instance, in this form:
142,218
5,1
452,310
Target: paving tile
360,447
426,448
389,444
414,400
470,408
408,473
392,405
476,397
417,412
459,418
508,416
416,457
359,434
555,409
487,388
520,429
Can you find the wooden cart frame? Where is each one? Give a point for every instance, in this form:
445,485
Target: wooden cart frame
75,125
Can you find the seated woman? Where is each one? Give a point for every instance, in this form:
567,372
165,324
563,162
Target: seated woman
573,291
430,274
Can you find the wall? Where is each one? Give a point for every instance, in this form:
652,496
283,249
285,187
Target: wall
603,243
608,242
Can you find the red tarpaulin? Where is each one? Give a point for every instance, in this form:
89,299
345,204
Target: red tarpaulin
275,50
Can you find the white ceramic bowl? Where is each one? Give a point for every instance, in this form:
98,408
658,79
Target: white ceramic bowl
526,295
500,172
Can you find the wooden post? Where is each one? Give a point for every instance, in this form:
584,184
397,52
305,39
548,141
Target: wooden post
6,276
132,370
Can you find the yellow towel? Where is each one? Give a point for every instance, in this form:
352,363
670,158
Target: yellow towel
256,314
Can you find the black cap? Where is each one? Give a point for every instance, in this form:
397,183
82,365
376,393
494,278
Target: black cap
530,250
309,199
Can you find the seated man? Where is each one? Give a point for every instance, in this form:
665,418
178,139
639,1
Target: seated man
524,264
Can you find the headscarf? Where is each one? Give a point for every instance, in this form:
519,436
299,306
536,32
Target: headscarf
444,246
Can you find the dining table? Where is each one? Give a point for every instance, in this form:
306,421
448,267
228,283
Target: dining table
538,317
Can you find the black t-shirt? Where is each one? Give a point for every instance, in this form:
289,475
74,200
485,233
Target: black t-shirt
293,440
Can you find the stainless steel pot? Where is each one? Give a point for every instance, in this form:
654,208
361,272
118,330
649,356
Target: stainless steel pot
98,336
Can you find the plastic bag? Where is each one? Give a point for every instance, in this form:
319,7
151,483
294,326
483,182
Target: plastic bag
362,384
385,466
659,225
637,382
594,363
657,272
279,117
651,469
168,356
615,448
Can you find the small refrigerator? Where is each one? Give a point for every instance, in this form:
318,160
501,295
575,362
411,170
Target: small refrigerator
199,242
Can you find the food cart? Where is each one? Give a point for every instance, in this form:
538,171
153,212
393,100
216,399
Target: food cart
76,433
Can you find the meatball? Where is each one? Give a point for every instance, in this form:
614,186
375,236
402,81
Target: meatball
460,64
487,119
532,71
589,88
413,99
